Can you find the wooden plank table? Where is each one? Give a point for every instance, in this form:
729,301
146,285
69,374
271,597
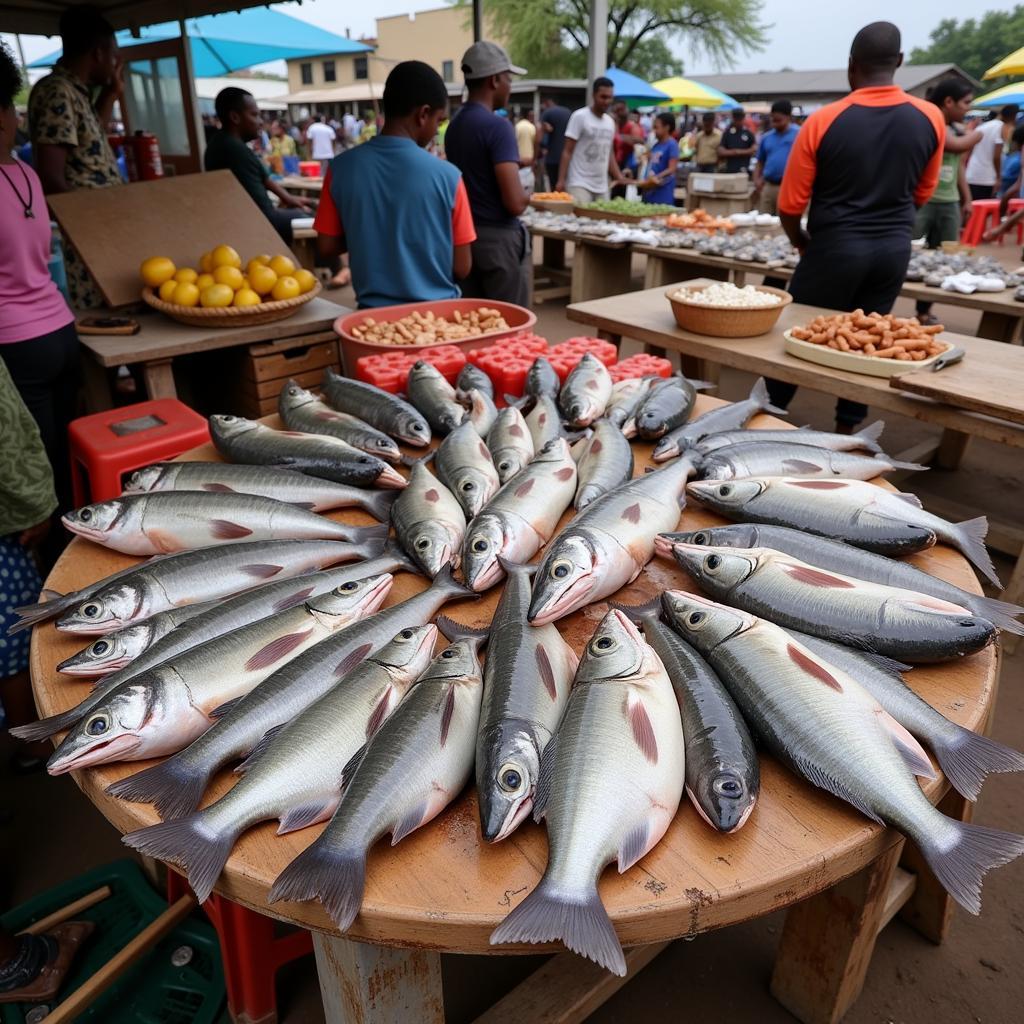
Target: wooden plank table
300,183
444,890
599,267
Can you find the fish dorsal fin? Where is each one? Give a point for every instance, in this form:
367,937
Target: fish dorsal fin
260,749
820,778
306,814
545,775
409,823
635,843
911,751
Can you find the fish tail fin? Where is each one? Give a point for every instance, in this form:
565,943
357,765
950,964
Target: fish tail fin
452,631
869,435
336,877
1002,613
198,848
378,504
417,460
32,614
174,787
640,612
446,582
368,534
392,549
578,920
759,394
47,727
970,535
896,464
969,757
510,567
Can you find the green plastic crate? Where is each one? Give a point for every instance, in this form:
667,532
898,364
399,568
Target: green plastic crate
154,991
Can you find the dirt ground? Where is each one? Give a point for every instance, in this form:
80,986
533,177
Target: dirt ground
49,832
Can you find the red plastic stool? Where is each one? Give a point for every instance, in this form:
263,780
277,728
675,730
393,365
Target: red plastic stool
250,951
982,211
1012,207
107,445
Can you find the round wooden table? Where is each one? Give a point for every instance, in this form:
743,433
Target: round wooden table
444,890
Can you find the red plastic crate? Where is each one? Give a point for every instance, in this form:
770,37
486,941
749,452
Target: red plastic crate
641,365
389,370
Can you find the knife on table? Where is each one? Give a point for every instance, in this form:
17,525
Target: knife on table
948,358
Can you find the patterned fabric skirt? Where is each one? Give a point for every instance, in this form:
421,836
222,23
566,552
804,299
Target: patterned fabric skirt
19,585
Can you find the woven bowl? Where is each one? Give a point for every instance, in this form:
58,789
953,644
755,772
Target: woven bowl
230,316
725,321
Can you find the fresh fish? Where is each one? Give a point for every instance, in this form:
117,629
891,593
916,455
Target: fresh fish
165,708
965,757
482,412
301,410
605,461
627,396
415,764
520,519
723,778
510,443
296,774
781,458
586,391
835,556
527,677
889,621
725,417
608,543
429,521
176,785
544,421
386,412
863,440
610,785
434,397
165,522
255,444
470,378
826,727
666,406
542,379
824,507
464,465
309,492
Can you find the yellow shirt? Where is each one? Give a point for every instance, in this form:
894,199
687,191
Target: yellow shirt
707,146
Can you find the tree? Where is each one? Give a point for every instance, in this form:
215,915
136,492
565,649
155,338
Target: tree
974,45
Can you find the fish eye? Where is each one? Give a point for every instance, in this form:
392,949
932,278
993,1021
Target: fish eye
97,725
90,611
448,653
701,538
603,643
85,515
725,490
713,563
406,634
561,569
480,545
727,787
695,618
469,485
100,647
422,544
510,778
349,587
504,465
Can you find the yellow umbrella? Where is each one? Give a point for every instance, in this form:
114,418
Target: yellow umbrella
686,92
1011,65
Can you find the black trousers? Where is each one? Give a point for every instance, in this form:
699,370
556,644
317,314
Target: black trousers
502,264
982,191
846,274
551,170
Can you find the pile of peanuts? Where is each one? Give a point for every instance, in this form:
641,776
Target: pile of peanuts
874,334
429,329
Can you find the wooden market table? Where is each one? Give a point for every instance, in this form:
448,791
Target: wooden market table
442,890
599,267
300,183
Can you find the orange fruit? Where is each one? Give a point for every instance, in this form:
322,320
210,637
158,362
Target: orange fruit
186,275
306,279
286,288
156,270
203,281
282,266
206,263
263,260
225,256
261,279
185,294
246,297
231,276
167,290
217,295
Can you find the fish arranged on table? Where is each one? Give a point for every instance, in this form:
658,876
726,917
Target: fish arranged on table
510,443
386,412
610,784
464,465
896,623
412,767
520,519
165,708
544,421
863,440
256,444
604,460
723,778
429,521
781,458
472,378
176,785
434,397
527,677
296,774
309,492
837,556
586,391
666,406
482,411
608,543
542,379
165,522
825,726
301,410
627,396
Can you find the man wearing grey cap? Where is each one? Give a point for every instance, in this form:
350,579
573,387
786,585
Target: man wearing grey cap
483,146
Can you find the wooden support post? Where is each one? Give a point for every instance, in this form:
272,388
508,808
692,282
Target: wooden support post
1000,327
951,449
159,378
598,271
364,984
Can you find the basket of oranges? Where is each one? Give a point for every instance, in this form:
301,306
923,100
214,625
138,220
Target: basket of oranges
224,293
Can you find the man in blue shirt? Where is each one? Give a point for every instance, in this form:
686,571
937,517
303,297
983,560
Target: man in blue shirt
772,154
553,122
483,146
659,183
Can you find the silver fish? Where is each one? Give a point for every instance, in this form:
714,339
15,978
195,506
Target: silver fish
610,785
605,461
416,763
863,440
666,405
296,774
608,543
527,677
386,412
472,377
820,722
782,458
586,391
627,395
429,521
544,421
165,522
434,397
465,467
510,443
542,379
520,519
482,411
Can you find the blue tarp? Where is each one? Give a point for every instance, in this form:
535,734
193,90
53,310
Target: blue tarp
629,87
229,42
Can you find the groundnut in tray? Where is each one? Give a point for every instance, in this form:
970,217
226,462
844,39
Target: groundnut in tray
427,329
874,334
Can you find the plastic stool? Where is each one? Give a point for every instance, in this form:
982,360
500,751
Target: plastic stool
1012,207
109,444
250,953
982,211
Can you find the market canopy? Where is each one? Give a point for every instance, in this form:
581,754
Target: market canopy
686,92
222,43
1012,93
630,87
1011,65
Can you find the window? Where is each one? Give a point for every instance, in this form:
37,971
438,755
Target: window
361,68
448,70
306,72
330,74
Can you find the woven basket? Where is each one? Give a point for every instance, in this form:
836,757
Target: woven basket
624,218
230,316
725,322
553,205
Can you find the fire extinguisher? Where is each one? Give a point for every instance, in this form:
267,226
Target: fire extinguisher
142,155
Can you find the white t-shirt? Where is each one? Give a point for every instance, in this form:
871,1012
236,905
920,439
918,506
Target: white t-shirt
322,138
980,168
588,167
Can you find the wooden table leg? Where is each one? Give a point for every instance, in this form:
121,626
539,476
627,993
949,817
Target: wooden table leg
364,984
828,940
159,378
951,449
97,386
1000,327
598,272
552,252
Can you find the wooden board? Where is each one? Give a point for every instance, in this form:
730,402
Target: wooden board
115,229
994,387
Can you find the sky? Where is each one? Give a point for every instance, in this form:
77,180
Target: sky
803,35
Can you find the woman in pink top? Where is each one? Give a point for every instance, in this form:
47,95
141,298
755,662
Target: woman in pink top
38,341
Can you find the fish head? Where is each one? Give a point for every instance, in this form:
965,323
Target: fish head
738,535
472,489
433,545
99,521
727,497
109,652
411,428
294,396
564,580
459,662
714,468
701,622
725,796
410,650
485,541
667,448
111,731
118,606
508,462
615,651
715,569
450,419
145,479
353,600
225,426
509,766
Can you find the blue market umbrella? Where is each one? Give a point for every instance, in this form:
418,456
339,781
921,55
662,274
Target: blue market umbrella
629,87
